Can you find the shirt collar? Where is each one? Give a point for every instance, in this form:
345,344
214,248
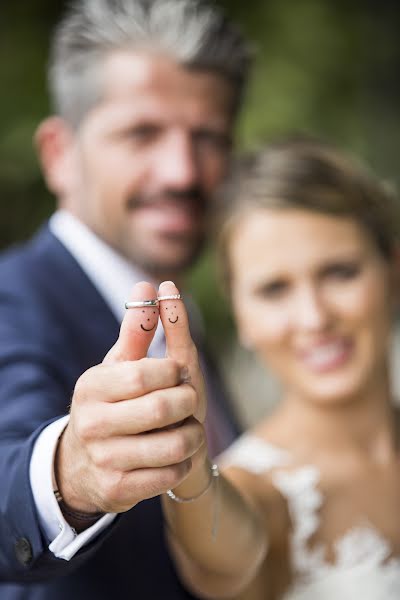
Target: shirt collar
112,275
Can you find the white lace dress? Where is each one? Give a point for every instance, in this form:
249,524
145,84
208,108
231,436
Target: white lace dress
363,568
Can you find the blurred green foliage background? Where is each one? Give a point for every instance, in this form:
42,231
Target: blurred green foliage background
329,67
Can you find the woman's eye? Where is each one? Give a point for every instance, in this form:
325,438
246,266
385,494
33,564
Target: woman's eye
272,290
343,271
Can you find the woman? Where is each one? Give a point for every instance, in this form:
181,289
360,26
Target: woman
310,258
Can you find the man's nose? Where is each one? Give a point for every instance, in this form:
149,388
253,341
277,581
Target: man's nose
177,166
310,310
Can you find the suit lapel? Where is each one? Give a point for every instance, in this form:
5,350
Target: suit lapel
76,303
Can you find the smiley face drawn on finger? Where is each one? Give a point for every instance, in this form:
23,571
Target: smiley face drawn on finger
172,316
150,318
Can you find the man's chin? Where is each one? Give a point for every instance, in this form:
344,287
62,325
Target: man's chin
166,262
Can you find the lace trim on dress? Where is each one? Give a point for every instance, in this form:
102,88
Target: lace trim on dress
299,487
362,547
254,455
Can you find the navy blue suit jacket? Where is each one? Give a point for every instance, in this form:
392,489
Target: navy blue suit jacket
53,326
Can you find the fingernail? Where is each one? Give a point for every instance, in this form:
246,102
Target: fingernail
168,284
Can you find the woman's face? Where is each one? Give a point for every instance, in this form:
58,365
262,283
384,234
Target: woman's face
311,295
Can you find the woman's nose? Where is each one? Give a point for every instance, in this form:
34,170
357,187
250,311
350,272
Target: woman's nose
310,310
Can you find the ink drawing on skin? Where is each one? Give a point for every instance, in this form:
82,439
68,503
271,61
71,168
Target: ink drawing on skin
174,319
151,318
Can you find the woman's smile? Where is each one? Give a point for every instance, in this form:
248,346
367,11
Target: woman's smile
327,356
315,308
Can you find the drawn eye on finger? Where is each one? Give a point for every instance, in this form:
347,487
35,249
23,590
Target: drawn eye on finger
149,319
172,316
170,308
171,313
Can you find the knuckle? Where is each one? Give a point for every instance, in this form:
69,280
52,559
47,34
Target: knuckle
174,474
190,398
197,435
101,457
136,379
86,427
113,490
172,370
80,390
85,384
91,425
180,447
200,435
161,409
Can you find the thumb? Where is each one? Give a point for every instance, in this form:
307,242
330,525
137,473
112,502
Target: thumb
138,327
179,343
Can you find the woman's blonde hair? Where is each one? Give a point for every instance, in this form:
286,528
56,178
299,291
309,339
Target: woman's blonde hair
306,173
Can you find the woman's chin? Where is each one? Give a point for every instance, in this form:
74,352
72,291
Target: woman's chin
333,390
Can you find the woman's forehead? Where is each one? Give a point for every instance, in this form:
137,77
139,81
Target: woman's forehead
276,238
269,224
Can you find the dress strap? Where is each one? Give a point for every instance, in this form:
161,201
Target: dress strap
253,454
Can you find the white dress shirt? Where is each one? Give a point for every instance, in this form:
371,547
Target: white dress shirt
114,277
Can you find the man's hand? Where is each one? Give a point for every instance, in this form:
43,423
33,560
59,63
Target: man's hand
135,422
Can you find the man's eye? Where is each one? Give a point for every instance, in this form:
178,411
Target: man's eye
142,133
213,139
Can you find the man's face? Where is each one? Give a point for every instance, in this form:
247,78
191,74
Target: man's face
148,157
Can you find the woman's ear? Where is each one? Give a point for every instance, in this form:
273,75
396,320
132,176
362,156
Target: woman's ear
54,141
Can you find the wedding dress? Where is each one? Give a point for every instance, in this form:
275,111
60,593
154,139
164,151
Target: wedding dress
363,569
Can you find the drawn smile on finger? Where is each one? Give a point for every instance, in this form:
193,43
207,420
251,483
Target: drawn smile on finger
144,328
149,319
169,318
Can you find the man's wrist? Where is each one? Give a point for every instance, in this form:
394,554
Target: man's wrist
78,514
77,519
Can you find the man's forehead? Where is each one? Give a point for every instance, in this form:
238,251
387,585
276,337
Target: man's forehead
132,76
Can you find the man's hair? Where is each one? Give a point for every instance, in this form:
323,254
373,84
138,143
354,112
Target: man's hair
193,32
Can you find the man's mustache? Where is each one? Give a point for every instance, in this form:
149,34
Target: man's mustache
192,196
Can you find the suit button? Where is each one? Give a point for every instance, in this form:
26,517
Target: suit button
23,551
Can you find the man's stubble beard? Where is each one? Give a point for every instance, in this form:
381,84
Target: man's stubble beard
159,268
156,266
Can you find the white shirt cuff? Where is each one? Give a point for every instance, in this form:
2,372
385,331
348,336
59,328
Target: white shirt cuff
64,541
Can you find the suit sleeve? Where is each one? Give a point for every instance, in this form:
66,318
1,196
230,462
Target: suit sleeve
35,389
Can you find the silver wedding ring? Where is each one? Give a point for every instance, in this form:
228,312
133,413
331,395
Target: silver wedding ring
171,297
142,303
152,302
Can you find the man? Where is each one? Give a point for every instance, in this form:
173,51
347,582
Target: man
145,93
